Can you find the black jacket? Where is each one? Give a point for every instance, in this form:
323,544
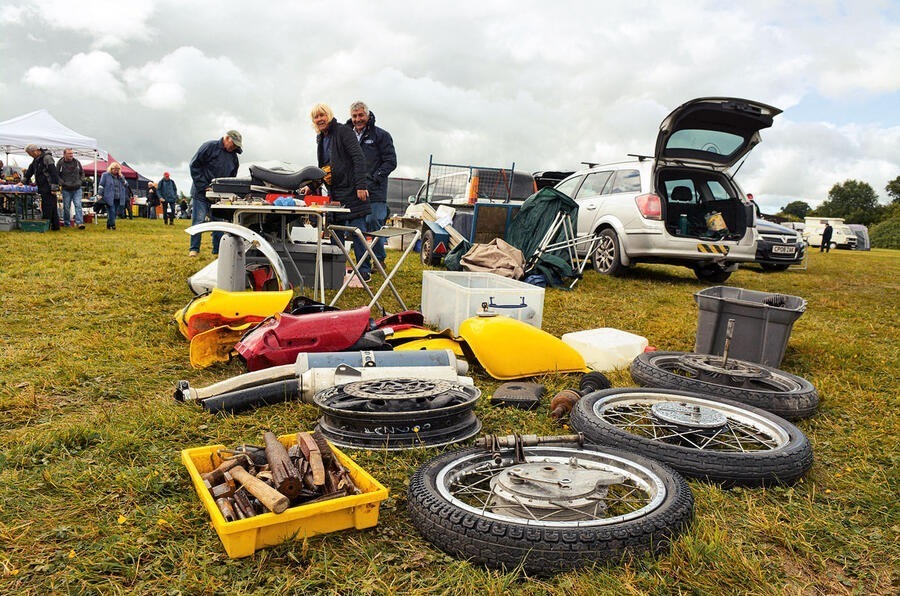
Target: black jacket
381,159
212,161
44,171
348,168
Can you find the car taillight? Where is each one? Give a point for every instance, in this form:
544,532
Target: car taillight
649,206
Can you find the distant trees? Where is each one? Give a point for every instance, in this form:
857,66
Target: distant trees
853,200
893,190
886,234
796,209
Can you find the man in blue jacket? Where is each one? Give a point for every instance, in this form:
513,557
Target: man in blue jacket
168,192
381,159
214,159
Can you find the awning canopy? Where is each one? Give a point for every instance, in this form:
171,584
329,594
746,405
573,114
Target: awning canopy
45,131
102,164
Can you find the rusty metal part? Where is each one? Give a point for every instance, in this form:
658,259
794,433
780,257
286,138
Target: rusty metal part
242,505
253,455
310,450
284,473
496,443
217,475
225,506
563,402
225,488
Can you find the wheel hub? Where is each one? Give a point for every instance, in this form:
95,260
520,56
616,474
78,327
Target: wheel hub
688,415
716,365
568,490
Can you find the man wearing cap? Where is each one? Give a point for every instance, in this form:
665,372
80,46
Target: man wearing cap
46,177
71,174
168,193
214,159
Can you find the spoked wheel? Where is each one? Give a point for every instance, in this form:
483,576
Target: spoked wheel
774,390
426,249
606,256
557,508
396,414
715,439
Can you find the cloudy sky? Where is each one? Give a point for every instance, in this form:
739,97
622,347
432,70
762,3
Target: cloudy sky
544,85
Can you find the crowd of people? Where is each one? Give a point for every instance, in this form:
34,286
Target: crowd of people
357,156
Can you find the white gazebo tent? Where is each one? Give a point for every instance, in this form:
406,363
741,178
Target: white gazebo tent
45,131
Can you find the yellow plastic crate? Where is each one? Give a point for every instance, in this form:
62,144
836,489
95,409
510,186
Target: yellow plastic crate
244,537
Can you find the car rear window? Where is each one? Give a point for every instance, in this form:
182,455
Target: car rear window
707,141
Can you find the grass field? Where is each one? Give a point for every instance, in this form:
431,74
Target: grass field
94,498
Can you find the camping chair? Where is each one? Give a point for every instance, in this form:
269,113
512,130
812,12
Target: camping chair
544,231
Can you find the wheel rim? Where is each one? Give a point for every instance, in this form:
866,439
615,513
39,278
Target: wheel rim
393,414
605,255
557,487
691,422
734,373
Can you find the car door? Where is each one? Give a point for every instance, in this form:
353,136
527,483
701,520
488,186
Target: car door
589,198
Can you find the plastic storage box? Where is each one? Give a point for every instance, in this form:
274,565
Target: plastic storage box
243,537
7,223
762,323
451,297
304,256
606,348
35,225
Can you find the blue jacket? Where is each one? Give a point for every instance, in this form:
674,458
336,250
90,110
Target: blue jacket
167,190
381,159
113,188
212,161
348,169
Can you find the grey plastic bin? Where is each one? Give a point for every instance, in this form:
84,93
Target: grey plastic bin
762,323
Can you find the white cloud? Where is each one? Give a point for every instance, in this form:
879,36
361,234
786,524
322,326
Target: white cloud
94,75
109,24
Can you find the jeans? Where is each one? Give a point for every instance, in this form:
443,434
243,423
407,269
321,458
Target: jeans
151,211
72,197
374,222
200,215
359,247
111,213
168,211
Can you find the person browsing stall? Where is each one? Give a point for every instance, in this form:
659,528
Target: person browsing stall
114,192
214,159
381,159
46,177
71,175
339,154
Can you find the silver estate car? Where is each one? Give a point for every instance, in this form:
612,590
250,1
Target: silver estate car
680,206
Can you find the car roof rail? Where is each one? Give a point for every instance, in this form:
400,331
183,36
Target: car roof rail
640,157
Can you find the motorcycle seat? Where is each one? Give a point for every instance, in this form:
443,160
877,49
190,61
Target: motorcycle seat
286,180
238,186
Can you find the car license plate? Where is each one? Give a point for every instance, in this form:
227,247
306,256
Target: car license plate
784,250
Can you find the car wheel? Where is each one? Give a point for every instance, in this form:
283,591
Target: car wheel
833,245
771,267
427,249
606,257
711,273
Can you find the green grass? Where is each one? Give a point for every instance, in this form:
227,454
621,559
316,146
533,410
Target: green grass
94,498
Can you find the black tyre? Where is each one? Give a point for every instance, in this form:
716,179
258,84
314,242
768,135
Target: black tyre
426,252
593,381
607,257
771,267
559,509
702,437
761,386
711,273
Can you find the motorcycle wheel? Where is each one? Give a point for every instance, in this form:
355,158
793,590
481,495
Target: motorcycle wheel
719,440
561,508
761,386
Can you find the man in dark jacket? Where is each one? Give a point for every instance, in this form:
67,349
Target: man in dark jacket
168,193
381,159
827,233
71,175
214,159
46,177
340,156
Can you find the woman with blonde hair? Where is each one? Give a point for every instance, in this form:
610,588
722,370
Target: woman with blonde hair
340,156
114,192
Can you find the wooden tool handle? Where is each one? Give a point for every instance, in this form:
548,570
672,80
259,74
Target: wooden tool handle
273,500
